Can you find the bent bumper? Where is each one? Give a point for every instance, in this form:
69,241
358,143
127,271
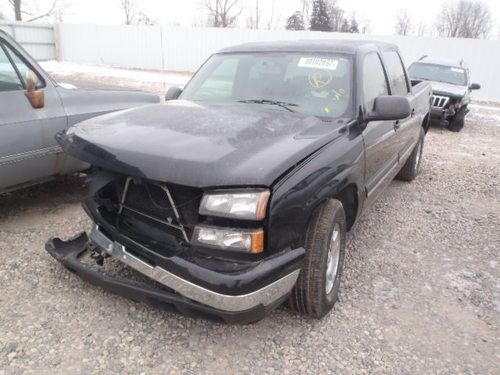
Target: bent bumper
186,296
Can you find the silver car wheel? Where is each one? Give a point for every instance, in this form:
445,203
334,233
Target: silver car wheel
333,259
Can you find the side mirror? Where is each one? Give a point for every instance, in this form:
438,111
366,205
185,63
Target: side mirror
474,86
388,108
36,97
173,93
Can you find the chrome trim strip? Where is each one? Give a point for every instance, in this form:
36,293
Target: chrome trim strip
264,296
15,158
383,179
407,153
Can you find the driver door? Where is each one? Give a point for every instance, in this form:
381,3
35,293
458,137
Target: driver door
28,150
381,148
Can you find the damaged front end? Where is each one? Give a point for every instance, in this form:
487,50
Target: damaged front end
444,107
150,227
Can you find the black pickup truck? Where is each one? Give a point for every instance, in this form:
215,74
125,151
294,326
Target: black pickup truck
236,194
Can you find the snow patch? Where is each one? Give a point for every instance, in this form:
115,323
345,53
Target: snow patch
150,76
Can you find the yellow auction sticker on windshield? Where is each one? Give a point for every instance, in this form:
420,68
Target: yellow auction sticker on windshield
318,63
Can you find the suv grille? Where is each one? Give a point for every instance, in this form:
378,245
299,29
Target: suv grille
439,101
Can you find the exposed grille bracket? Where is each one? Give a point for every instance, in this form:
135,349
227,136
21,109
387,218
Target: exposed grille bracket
168,221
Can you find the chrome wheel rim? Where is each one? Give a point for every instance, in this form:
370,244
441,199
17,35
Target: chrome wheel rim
332,262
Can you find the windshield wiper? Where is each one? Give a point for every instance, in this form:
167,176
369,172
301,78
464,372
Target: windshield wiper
271,102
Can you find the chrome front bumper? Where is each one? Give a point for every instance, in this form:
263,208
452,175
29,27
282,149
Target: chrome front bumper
265,296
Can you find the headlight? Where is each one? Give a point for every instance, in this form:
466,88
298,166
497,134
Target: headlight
249,205
243,240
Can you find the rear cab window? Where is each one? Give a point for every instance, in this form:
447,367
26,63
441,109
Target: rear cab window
396,73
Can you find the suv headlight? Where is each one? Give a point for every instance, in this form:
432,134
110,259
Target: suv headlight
247,205
242,240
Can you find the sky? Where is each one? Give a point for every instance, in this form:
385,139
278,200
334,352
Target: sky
378,14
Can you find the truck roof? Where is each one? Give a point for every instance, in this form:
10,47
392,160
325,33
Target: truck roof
311,45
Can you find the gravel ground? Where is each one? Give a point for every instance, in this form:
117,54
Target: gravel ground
420,292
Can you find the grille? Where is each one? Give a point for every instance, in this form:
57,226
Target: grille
439,101
172,208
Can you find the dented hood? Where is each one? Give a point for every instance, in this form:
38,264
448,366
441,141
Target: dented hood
200,145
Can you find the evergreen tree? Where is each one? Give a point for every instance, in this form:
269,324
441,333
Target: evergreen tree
354,27
344,27
295,22
320,19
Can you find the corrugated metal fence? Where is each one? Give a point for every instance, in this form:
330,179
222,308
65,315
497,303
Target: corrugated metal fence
38,39
185,49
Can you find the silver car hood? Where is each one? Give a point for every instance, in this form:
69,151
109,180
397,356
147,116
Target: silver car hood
447,88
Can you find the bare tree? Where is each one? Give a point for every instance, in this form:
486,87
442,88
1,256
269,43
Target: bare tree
422,29
404,24
336,14
130,10
464,19
222,13
274,19
34,13
144,19
16,4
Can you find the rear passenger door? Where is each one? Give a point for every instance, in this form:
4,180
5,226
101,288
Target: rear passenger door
381,149
408,129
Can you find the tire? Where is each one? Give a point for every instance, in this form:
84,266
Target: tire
412,166
314,294
458,121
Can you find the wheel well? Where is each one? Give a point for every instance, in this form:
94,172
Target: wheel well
426,123
349,198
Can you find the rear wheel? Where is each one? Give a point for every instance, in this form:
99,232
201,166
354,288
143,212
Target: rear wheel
316,290
412,166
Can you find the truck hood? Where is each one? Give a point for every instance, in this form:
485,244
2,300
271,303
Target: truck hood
200,145
447,89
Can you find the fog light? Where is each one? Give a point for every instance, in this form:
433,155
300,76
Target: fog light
232,239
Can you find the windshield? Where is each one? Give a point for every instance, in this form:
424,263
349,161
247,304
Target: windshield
439,73
319,85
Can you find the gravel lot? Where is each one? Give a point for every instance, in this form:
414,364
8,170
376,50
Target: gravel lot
420,292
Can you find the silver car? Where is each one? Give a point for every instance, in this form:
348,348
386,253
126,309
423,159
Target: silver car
34,108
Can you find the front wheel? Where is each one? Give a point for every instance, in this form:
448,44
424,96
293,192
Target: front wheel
458,121
316,290
412,166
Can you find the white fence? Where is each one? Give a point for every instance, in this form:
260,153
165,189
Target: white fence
185,49
38,39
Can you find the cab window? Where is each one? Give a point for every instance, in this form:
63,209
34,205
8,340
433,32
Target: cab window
9,79
374,79
396,73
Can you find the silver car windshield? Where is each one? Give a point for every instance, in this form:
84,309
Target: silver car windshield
319,85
